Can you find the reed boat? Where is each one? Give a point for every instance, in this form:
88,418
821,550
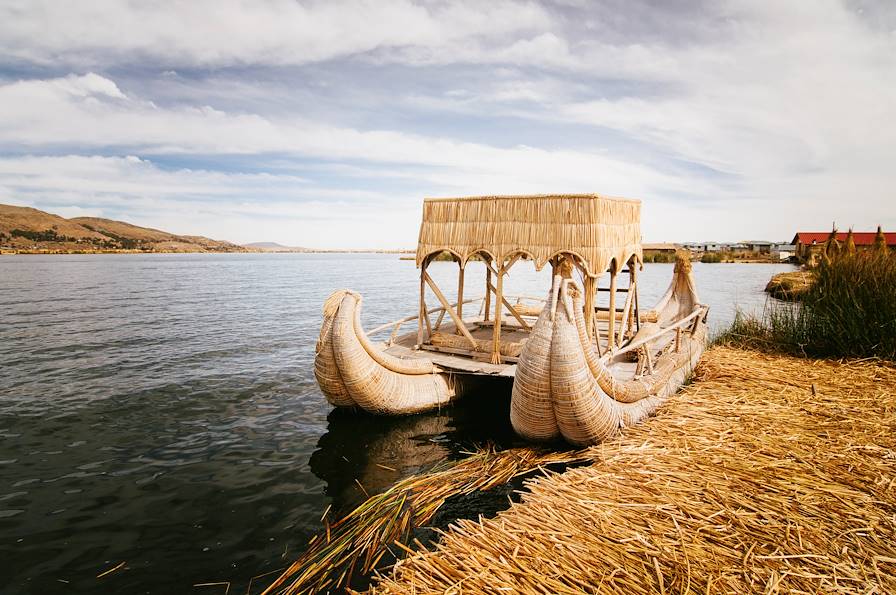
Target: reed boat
584,361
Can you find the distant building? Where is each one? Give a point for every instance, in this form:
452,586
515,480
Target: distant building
759,246
783,251
654,249
712,247
692,246
808,243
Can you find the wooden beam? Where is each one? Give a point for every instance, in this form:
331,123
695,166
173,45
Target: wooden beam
477,355
428,322
383,327
589,305
451,312
441,317
626,314
637,311
460,293
503,300
633,313
421,311
512,261
496,335
488,290
513,311
611,327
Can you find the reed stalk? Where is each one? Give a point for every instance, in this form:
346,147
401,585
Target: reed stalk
849,311
767,474
355,544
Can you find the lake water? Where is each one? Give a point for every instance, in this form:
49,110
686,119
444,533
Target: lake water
161,410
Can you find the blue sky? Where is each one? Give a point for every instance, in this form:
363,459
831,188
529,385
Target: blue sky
325,124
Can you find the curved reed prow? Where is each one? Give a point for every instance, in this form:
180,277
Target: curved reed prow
353,372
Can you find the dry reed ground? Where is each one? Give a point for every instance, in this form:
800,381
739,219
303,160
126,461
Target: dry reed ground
768,474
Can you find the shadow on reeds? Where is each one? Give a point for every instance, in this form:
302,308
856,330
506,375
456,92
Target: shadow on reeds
397,481
850,311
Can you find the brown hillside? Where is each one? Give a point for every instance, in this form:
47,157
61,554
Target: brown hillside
24,229
30,219
113,228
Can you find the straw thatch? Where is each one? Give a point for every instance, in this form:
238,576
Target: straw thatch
597,229
767,474
357,542
352,371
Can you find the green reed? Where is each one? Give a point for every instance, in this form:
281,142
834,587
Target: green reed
850,311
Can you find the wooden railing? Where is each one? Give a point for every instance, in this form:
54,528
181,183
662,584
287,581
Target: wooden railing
693,318
395,325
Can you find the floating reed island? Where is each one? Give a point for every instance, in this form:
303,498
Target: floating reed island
790,285
767,474
581,369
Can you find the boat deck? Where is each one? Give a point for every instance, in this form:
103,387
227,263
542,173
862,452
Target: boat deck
465,362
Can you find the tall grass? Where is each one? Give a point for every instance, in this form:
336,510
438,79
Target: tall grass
850,311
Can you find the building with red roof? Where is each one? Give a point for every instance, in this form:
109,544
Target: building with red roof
809,242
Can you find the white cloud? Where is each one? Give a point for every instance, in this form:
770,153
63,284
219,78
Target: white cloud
230,32
46,113
737,119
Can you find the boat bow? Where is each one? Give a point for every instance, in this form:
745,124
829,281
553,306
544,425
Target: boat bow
353,372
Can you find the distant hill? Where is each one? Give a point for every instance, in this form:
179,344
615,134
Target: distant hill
24,229
274,247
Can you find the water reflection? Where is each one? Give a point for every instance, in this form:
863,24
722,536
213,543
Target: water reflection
361,454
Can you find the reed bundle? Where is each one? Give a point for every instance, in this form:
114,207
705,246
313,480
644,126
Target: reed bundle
790,285
595,228
357,542
769,473
508,348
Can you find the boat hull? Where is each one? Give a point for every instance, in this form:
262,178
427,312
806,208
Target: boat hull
563,390
352,372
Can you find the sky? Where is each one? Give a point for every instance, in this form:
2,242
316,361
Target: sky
325,124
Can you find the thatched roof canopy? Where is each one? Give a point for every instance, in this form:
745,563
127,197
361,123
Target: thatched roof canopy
597,229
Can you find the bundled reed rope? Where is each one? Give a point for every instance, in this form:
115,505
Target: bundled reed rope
767,474
356,543
508,348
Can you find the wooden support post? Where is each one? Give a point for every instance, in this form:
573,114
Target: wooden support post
611,319
624,319
460,293
394,334
506,303
634,324
513,311
600,350
422,312
637,310
677,339
438,323
496,334
589,305
458,323
648,358
488,290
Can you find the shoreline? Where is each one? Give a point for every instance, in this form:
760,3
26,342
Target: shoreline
790,453
91,252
